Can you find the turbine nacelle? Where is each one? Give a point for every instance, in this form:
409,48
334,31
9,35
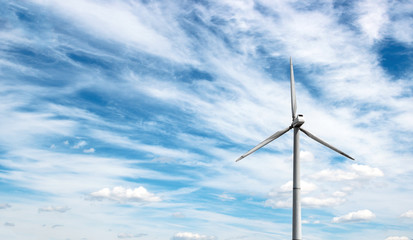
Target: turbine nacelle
298,121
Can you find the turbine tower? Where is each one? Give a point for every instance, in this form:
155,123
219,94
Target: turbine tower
297,122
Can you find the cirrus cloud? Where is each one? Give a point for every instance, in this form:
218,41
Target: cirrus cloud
60,209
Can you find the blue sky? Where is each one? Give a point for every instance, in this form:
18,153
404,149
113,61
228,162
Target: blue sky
123,119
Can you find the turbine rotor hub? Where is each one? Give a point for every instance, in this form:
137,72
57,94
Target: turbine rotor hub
298,121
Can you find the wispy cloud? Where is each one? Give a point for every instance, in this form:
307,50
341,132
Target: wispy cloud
167,95
80,144
60,209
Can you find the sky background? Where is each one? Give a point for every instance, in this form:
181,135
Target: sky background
123,119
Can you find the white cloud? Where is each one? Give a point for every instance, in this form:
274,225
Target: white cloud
309,202
122,194
347,189
129,235
335,175
306,187
133,25
278,204
339,194
366,171
356,171
408,214
397,238
54,209
226,197
306,156
362,215
401,28
306,221
321,202
373,17
80,144
90,150
191,236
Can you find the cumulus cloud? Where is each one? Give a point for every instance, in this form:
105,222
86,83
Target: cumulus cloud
408,214
362,215
397,238
356,171
122,194
61,209
129,235
90,150
191,236
366,171
5,205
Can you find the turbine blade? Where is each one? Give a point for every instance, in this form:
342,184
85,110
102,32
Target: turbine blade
265,142
292,85
324,143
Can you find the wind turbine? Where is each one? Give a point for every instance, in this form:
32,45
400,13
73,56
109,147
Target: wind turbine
297,122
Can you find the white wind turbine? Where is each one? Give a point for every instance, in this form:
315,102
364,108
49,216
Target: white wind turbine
298,120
